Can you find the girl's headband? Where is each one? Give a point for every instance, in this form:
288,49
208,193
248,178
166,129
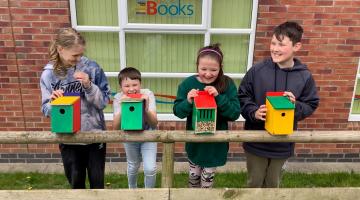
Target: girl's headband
212,50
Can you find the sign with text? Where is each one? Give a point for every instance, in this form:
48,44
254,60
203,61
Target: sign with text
175,8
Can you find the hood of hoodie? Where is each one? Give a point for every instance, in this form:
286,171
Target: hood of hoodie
275,79
298,66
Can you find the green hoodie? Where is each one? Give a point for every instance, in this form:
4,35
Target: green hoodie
228,109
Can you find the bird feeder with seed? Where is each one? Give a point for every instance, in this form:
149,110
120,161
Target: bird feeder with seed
204,113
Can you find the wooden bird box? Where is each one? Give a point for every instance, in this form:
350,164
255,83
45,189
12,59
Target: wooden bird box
279,114
65,114
132,113
204,113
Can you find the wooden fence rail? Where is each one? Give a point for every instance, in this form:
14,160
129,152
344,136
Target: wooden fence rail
186,193
170,137
44,137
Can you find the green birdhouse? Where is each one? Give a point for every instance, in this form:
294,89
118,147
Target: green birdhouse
132,113
65,114
204,113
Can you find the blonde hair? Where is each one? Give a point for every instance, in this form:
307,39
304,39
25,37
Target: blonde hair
66,38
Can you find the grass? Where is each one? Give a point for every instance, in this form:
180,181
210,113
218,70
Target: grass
21,181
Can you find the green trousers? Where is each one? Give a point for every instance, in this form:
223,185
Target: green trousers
263,172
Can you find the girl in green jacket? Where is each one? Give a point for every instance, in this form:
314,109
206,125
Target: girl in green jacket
205,157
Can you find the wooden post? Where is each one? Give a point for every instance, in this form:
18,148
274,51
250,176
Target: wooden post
167,177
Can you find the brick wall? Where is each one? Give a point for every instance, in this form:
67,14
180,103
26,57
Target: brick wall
331,49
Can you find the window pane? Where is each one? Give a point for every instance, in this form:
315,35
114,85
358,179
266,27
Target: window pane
232,14
356,104
237,82
165,12
114,86
235,49
162,52
104,49
165,91
97,13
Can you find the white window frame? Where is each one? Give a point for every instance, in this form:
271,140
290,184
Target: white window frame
355,117
203,28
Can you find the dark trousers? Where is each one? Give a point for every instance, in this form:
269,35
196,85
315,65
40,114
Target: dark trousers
79,158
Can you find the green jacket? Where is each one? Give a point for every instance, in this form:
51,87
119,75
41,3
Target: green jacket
228,109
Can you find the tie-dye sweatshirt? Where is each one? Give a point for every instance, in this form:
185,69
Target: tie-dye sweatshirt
93,99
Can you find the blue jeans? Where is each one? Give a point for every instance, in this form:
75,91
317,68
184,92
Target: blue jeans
134,152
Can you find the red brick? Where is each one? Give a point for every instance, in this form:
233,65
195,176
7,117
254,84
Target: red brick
324,3
26,17
268,2
32,30
299,3
50,4
41,24
59,12
277,9
39,11
30,4
16,11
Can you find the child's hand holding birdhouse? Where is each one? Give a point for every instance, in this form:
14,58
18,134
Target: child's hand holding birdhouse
290,95
145,97
211,90
191,94
56,94
260,113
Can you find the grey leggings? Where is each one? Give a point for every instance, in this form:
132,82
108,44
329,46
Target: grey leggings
201,176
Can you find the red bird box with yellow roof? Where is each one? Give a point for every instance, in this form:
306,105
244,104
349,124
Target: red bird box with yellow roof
204,113
279,114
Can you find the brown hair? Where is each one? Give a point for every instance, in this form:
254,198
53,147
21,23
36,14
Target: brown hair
290,29
129,72
215,52
66,38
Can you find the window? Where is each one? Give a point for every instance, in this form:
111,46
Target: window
161,39
355,105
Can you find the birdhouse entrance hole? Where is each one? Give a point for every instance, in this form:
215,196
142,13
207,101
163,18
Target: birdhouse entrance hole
131,108
62,111
282,114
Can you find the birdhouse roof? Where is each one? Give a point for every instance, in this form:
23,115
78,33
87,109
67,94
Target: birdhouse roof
204,100
134,98
274,94
65,100
280,102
